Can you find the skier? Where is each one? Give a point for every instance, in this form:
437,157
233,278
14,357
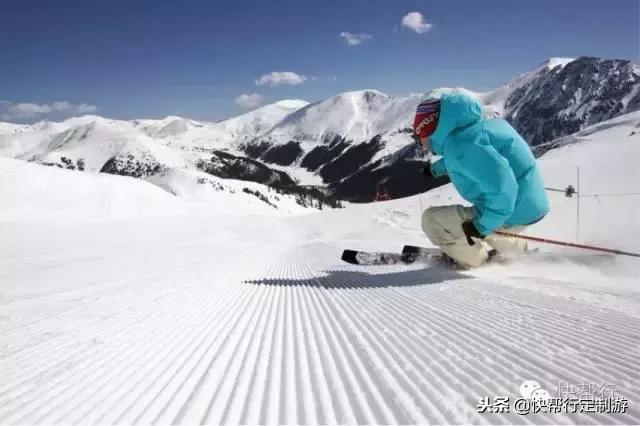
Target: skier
491,166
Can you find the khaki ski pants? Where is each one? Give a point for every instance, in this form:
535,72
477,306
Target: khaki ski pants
443,226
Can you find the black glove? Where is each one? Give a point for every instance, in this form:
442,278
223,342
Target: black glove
426,170
470,231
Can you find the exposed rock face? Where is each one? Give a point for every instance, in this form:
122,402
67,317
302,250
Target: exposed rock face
131,165
256,149
283,155
323,154
229,166
351,160
567,99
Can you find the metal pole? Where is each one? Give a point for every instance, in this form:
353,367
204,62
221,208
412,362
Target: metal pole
578,204
420,214
566,244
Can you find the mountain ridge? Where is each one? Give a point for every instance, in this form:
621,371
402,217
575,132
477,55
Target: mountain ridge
350,141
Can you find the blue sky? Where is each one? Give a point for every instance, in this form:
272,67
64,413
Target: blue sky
194,58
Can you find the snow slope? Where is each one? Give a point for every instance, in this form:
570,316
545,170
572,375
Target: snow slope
31,192
260,120
193,315
229,196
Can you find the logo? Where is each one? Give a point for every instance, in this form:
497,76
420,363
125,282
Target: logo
531,390
569,399
427,120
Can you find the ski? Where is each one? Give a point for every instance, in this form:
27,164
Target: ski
410,254
417,252
432,253
358,257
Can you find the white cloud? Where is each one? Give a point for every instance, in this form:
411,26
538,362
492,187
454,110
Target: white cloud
355,39
85,108
280,78
60,106
25,110
415,21
248,100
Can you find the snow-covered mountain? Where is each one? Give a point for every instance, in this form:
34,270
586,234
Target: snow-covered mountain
355,115
92,144
134,148
308,137
350,142
154,149
568,96
497,99
260,120
356,139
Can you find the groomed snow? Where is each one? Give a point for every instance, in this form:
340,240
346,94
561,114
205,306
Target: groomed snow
174,313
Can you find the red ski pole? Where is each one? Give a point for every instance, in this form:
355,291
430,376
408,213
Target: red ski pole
566,244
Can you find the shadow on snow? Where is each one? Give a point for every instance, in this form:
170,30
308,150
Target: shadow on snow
345,279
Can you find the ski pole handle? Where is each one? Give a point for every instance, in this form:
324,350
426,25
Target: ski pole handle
469,231
470,240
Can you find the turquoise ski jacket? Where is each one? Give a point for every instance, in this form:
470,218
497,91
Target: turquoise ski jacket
489,164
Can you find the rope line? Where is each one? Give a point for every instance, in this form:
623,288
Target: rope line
610,194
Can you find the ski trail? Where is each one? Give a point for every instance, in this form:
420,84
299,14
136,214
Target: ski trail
309,340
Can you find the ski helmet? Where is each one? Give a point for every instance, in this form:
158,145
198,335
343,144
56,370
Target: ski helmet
426,119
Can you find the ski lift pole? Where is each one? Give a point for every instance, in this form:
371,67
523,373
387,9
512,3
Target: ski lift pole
567,244
578,203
